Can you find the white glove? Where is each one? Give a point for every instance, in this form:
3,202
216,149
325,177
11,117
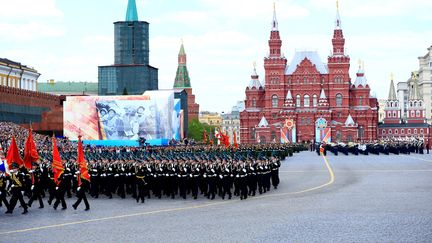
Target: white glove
79,188
32,187
56,188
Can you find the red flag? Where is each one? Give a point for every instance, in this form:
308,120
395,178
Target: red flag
30,152
205,136
81,162
57,165
235,140
13,154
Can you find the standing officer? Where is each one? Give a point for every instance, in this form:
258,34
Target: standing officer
83,186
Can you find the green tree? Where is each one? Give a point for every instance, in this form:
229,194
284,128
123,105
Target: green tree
125,91
196,130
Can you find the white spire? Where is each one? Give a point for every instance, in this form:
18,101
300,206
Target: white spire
289,95
274,22
338,23
323,95
263,122
254,79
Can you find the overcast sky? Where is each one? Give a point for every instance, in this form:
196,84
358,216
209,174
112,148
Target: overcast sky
66,40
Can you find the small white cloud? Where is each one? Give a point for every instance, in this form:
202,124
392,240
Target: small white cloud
30,31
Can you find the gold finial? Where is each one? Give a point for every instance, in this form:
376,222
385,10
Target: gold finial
337,5
254,64
359,63
392,76
274,6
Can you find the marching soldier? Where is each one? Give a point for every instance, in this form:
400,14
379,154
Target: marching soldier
16,190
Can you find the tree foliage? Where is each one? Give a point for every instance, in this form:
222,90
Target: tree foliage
196,131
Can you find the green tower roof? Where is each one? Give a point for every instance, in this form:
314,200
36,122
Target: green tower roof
182,79
132,13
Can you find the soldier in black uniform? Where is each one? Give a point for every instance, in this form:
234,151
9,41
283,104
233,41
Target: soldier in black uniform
141,183
16,189
275,172
3,191
83,186
36,187
60,191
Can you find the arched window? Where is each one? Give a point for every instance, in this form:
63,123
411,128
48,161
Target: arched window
361,100
297,100
396,131
305,80
402,131
274,101
418,113
415,130
361,132
390,131
306,101
394,113
384,131
273,136
315,100
339,100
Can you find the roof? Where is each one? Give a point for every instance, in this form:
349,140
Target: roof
263,122
403,125
323,95
312,56
16,64
254,81
392,93
361,79
68,87
131,13
289,95
350,121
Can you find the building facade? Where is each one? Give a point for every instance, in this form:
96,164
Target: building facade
424,79
312,99
231,124
15,75
210,118
182,81
414,125
131,71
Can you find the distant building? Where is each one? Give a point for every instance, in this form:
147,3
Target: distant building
381,113
424,80
16,75
131,71
68,88
210,118
231,124
414,125
182,81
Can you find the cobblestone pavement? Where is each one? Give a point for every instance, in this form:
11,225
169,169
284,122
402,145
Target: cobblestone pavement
372,199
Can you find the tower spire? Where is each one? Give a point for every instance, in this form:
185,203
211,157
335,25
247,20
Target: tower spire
338,20
131,13
392,93
274,22
182,79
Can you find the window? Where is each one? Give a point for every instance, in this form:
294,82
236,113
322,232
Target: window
339,100
409,131
361,100
418,113
361,132
412,113
396,131
383,131
253,133
297,100
390,131
415,131
274,101
402,131
315,100
274,115
305,81
254,102
394,113
421,131
306,101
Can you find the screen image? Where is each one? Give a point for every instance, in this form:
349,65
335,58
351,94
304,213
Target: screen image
155,115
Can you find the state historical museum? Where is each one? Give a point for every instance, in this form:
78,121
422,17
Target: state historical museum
307,99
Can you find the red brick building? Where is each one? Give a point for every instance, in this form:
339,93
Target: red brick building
182,81
305,90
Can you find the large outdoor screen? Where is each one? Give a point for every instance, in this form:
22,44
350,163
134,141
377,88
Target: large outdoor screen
155,115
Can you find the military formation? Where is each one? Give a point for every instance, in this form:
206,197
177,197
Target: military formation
385,147
149,172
